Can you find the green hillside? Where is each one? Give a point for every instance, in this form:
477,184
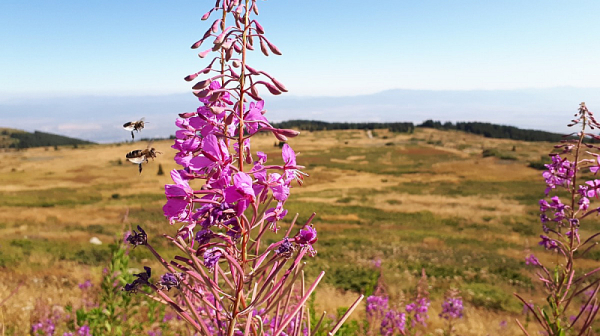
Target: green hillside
13,138
488,130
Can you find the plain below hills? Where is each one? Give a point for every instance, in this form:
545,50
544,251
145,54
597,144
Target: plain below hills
18,139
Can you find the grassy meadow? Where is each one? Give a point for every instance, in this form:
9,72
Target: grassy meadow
428,200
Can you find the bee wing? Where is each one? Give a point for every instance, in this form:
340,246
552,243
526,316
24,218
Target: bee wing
129,125
137,160
143,119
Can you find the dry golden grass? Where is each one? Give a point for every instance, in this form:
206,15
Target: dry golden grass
95,170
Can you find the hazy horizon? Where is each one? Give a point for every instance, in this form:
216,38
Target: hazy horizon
84,68
99,118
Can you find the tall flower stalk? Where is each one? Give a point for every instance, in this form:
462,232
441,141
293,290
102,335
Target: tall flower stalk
565,281
225,198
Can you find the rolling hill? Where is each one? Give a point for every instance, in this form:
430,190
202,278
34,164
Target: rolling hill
13,138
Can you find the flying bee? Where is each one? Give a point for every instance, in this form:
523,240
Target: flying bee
134,126
140,156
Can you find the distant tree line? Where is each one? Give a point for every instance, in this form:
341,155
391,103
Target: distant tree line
42,139
313,125
494,131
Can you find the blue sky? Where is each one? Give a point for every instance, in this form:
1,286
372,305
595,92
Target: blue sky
65,48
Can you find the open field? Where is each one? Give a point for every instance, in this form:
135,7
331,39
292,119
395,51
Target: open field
424,200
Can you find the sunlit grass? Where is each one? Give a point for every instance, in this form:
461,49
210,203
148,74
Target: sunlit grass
427,200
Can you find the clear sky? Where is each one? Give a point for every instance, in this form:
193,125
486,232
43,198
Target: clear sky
132,47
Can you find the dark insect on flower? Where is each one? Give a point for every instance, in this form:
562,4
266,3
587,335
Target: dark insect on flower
140,156
134,126
142,279
286,249
170,280
137,239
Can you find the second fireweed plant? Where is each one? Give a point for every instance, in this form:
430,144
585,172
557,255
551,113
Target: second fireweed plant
226,280
572,302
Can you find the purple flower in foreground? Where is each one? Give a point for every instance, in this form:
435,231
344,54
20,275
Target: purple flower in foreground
584,203
215,156
377,305
452,308
307,236
179,198
594,169
273,215
593,188
254,116
420,309
84,331
393,321
241,192
85,285
170,280
211,257
204,236
548,243
532,260
292,171
262,157
559,173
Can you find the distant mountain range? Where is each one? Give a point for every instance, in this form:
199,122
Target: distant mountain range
12,138
99,118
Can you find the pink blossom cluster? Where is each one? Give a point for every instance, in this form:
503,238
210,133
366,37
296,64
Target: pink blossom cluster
452,308
561,220
393,321
226,196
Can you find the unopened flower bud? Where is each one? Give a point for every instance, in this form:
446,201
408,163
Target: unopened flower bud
187,114
280,137
191,77
252,70
273,48
201,94
279,84
259,28
215,26
263,47
217,109
288,132
204,53
206,15
272,88
202,84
